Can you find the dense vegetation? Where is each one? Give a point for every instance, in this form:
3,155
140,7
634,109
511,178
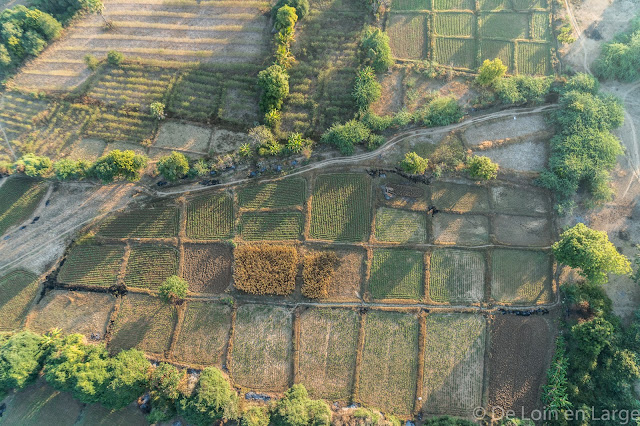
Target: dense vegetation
620,58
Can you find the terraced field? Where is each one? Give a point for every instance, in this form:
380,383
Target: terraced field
92,265
210,217
18,200
18,115
17,291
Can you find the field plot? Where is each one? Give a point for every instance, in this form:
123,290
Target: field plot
460,198
340,207
453,4
265,269
494,4
389,362
411,4
17,290
262,351
396,274
455,52
19,114
187,32
207,267
328,344
408,35
347,278
210,217
505,128
97,415
72,312
400,226
18,200
521,276
522,231
454,24
122,125
149,266
533,58
465,230
280,194
151,222
491,49
204,334
529,155
145,323
518,360
453,363
183,136
456,276
92,265
504,25
271,226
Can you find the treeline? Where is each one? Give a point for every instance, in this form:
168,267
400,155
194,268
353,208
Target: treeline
620,58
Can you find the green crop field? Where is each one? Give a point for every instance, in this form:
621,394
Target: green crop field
411,4
18,116
504,25
341,208
262,349
491,49
151,222
540,29
454,24
408,36
453,4
494,4
149,266
18,200
387,377
455,52
92,265
145,323
396,274
328,345
400,226
453,363
521,276
456,276
210,217
460,198
271,226
204,334
122,125
533,58
17,291
280,194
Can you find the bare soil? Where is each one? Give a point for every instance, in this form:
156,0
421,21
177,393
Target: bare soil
207,267
505,128
522,231
463,230
528,156
183,136
224,141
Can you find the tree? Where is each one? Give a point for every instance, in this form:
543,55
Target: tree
374,49
554,393
119,165
414,164
582,82
130,372
522,89
296,143
91,61
20,360
367,90
173,289
301,6
490,71
297,409
583,111
255,416
274,82
33,165
157,110
67,169
286,19
164,391
480,167
174,166
213,399
591,252
114,57
346,136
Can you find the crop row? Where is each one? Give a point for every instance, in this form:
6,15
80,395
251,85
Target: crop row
285,193
152,222
149,266
271,226
92,265
18,200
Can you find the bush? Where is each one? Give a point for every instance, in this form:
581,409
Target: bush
414,164
441,111
582,82
66,169
91,61
157,110
583,111
448,421
480,167
173,289
346,136
296,143
119,165
490,71
174,166
213,400
317,272
301,7
65,10
32,165
21,359
274,82
164,392
374,49
620,58
523,89
265,269
367,90
130,371
286,19
297,409
114,57
377,123
255,416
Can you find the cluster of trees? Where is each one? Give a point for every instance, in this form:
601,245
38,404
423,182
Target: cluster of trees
620,58
512,90
478,167
65,10
584,150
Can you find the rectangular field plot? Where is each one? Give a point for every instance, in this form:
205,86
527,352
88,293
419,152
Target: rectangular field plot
204,335
460,198
122,125
453,363
464,230
494,4
189,137
151,222
262,350
411,4
328,345
396,274
17,291
533,58
540,29
454,24
504,25
92,265
150,266
522,231
145,323
72,312
530,4
285,193
401,226
453,4
387,378
207,267
408,35
456,276
340,208
347,278
18,200
455,52
210,217
521,276
503,50
18,113
518,200
271,226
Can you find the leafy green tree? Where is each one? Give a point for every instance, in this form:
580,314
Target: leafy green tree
245,150
130,372
21,358
114,57
591,252
164,391
65,10
173,166
297,409
91,61
620,58
301,7
367,90
582,82
441,111
414,164
274,82
554,394
583,111
346,136
173,288
480,167
157,110
286,18
213,400
66,169
118,165
490,71
33,165
296,143
374,49
522,89
255,416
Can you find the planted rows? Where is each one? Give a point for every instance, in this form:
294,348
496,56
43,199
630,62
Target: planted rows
150,266
271,226
151,222
210,217
17,290
92,265
281,194
18,200
396,274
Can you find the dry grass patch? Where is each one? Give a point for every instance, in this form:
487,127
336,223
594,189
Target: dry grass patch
522,231
460,198
466,230
265,269
86,149
318,271
183,136
207,268
505,128
17,291
400,226
521,277
19,198
519,200
226,141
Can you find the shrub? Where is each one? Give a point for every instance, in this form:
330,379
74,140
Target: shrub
265,269
32,165
521,89
565,34
377,123
164,392
441,111
317,272
620,58
130,371
346,136
272,120
245,150
582,82
374,49
448,421
213,400
286,19
414,164
297,409
174,166
114,57
65,10
157,110
554,393
91,61
173,289
490,71
480,167
367,90
67,169
301,7
583,111
255,416
119,165
274,82
21,359
296,143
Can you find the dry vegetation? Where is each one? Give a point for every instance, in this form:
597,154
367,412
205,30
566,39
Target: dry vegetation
265,269
318,271
17,291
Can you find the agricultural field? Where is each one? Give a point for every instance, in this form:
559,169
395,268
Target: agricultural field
460,198
518,200
522,231
340,208
463,230
19,198
400,226
256,226
396,274
19,114
207,267
17,291
347,279
210,217
521,277
456,276
262,349
152,222
92,265
149,266
280,194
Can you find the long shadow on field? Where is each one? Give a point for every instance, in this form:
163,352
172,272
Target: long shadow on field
131,335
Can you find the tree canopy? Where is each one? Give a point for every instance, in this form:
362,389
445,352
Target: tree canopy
490,71
367,90
173,166
481,167
274,82
173,288
414,164
213,399
297,409
118,165
374,49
